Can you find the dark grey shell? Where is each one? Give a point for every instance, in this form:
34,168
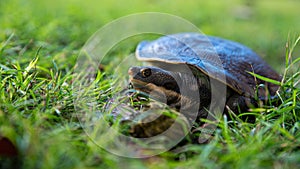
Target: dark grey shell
214,57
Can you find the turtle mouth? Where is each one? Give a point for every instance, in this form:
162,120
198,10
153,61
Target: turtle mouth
138,84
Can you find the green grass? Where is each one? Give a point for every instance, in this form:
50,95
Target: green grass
39,45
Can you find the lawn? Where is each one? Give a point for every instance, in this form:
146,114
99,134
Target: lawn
40,42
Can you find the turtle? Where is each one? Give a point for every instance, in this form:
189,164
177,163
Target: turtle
210,60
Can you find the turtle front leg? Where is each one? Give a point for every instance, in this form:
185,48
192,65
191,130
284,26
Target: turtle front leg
240,104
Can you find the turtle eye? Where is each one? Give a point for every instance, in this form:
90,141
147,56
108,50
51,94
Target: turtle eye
146,72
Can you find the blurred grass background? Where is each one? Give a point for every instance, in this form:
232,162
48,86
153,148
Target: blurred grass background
263,25
38,120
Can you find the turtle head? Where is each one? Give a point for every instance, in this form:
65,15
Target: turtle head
145,76
176,89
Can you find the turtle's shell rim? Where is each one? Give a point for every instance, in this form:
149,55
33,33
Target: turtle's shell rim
238,84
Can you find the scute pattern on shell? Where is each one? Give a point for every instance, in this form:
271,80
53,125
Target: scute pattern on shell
213,56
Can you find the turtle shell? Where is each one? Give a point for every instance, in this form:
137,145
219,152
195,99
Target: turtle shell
227,61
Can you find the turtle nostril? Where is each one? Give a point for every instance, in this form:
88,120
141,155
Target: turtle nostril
146,72
132,71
